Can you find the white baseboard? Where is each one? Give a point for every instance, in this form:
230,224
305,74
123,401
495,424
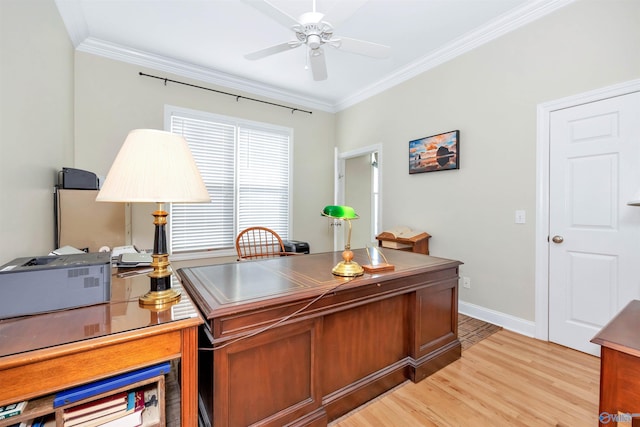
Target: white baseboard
507,321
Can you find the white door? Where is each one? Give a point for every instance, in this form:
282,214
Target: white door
594,249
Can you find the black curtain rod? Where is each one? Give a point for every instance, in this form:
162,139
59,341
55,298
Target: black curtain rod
238,97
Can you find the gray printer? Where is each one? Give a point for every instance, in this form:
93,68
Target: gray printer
40,284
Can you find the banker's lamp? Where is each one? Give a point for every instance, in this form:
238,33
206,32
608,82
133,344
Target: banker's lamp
155,166
347,267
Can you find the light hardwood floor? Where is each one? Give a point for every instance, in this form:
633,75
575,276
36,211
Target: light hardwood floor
506,379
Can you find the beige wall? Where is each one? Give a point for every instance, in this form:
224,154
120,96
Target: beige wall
51,97
36,122
490,95
111,98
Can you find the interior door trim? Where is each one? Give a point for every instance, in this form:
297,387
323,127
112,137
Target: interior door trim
543,138
339,188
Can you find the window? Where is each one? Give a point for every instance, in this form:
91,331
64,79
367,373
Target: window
246,168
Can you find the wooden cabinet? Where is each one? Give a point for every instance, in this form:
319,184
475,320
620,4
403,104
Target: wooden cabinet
418,243
44,354
152,415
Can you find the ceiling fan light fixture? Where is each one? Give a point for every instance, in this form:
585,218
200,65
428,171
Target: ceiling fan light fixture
312,30
314,41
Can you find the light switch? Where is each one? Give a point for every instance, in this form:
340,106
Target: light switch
520,217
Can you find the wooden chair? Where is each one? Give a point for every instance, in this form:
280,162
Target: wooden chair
259,242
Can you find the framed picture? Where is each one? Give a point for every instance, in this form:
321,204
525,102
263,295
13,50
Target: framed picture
435,153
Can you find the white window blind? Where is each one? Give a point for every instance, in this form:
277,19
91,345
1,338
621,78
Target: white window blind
245,167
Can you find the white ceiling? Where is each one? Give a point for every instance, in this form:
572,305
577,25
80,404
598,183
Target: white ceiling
207,40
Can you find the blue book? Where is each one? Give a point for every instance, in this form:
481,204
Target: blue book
87,390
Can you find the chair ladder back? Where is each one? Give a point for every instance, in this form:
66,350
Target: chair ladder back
258,242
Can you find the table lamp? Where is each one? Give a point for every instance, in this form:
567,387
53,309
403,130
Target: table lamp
155,166
347,267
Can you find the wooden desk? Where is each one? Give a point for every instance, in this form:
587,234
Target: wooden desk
43,354
291,343
620,366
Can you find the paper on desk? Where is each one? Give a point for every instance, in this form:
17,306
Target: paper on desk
134,259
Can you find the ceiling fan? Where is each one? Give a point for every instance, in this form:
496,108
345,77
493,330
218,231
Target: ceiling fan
313,31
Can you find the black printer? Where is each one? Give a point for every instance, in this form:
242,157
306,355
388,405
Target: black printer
296,246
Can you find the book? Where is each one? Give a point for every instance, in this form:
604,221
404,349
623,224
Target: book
400,232
118,408
95,422
12,409
394,245
136,400
132,419
92,389
95,405
116,419
45,421
132,401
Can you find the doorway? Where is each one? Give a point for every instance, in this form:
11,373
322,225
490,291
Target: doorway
357,184
586,235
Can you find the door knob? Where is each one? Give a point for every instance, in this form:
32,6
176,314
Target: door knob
557,239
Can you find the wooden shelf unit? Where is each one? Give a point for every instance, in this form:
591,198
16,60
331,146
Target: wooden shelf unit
418,243
43,406
44,354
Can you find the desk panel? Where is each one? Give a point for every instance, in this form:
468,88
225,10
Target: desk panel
311,346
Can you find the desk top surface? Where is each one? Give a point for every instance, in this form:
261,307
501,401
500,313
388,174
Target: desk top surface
226,288
621,333
121,314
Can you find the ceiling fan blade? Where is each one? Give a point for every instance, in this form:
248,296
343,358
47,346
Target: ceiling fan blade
273,12
342,11
361,47
318,64
259,54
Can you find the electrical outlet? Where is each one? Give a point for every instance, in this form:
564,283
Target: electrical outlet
466,282
521,217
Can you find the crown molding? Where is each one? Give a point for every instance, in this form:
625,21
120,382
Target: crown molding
497,28
78,32
203,74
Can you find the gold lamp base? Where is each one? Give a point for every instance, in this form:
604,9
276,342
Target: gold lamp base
159,300
348,269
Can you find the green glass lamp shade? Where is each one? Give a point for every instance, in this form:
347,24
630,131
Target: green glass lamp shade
347,267
339,212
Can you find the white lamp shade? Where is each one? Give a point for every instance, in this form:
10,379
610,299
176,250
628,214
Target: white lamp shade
154,166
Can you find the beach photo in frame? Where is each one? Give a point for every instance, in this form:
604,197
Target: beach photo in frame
435,153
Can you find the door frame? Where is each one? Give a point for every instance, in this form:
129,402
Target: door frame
339,188
544,111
